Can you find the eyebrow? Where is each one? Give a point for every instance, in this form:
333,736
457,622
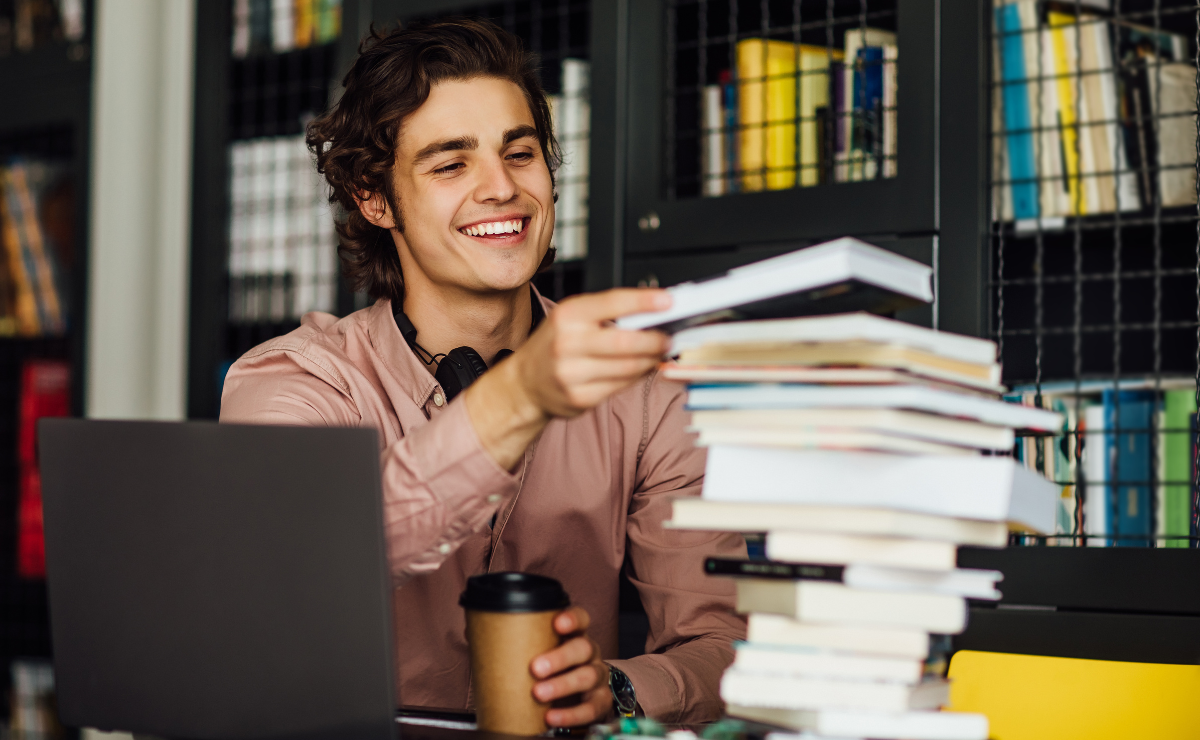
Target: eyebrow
461,143
470,143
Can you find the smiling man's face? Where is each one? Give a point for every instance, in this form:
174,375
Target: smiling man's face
473,188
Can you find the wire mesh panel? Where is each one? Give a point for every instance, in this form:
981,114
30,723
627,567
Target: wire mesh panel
558,32
1094,249
775,94
282,259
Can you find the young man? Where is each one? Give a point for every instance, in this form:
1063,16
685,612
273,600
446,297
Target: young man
562,458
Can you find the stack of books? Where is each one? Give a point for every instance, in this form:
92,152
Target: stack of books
867,450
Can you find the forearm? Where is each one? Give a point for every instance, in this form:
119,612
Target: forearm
504,416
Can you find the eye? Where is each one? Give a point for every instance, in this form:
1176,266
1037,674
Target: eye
520,157
452,167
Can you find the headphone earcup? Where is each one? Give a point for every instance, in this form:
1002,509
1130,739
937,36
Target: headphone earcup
458,369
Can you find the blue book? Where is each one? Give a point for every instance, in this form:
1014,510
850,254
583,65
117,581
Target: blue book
1130,498
868,100
730,103
1021,164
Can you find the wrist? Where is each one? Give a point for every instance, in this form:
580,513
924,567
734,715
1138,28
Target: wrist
624,697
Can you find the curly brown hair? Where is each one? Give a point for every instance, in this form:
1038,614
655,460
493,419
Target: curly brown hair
355,141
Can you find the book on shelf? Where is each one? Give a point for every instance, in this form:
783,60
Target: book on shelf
974,584
844,549
818,601
739,516
842,275
1179,422
881,725
45,392
283,25
32,259
571,116
776,630
962,433
796,692
282,259
866,127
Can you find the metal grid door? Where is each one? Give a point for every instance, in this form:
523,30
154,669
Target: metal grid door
1095,254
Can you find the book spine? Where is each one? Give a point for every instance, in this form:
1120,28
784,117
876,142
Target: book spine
1066,70
1017,120
712,152
1179,412
773,569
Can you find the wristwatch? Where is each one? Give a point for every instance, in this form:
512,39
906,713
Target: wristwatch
624,697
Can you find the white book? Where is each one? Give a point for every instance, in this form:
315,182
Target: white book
967,582
703,374
988,488
774,629
283,25
240,41
897,422
691,512
837,548
1097,509
1176,134
712,147
1126,196
848,327
879,725
850,163
281,191
852,272
891,54
914,397
573,127
835,603
774,660
809,693
239,225
826,439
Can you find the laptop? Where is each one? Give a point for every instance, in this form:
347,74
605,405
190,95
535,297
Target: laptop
219,582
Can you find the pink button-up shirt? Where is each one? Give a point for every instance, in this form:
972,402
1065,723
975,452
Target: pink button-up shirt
590,492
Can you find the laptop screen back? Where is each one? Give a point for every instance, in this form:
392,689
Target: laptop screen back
213,581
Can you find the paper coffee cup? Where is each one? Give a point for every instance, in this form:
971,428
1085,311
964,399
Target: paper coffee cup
510,622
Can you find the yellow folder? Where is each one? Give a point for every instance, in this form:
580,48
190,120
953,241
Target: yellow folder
1031,697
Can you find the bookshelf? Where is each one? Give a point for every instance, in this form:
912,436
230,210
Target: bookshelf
45,83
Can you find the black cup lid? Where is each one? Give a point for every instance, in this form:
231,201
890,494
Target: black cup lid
513,592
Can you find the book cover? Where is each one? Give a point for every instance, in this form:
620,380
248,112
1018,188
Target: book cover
1179,421
1130,417
766,72
45,392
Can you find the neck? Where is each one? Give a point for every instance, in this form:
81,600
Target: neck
486,323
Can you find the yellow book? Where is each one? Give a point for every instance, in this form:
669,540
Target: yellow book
305,19
767,114
24,300
1066,66
768,111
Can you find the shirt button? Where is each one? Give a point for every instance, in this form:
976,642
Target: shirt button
493,498
444,548
438,400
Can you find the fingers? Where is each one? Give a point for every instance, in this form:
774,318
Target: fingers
572,619
571,653
612,304
595,708
577,681
620,343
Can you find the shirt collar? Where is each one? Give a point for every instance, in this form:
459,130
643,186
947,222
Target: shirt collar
407,368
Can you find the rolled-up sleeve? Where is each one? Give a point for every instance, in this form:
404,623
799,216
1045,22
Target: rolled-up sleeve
439,484
691,615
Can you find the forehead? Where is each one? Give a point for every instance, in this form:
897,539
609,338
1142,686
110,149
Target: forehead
482,107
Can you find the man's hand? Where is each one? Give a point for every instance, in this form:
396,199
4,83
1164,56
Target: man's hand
574,360
573,668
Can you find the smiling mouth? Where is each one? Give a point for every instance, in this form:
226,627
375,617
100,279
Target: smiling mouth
496,229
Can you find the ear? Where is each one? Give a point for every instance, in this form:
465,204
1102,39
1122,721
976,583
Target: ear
374,207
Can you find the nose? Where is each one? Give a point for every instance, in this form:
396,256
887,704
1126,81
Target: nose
496,184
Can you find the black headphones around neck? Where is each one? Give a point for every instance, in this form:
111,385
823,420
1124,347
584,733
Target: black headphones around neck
462,366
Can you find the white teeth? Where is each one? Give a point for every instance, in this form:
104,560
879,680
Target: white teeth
495,227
